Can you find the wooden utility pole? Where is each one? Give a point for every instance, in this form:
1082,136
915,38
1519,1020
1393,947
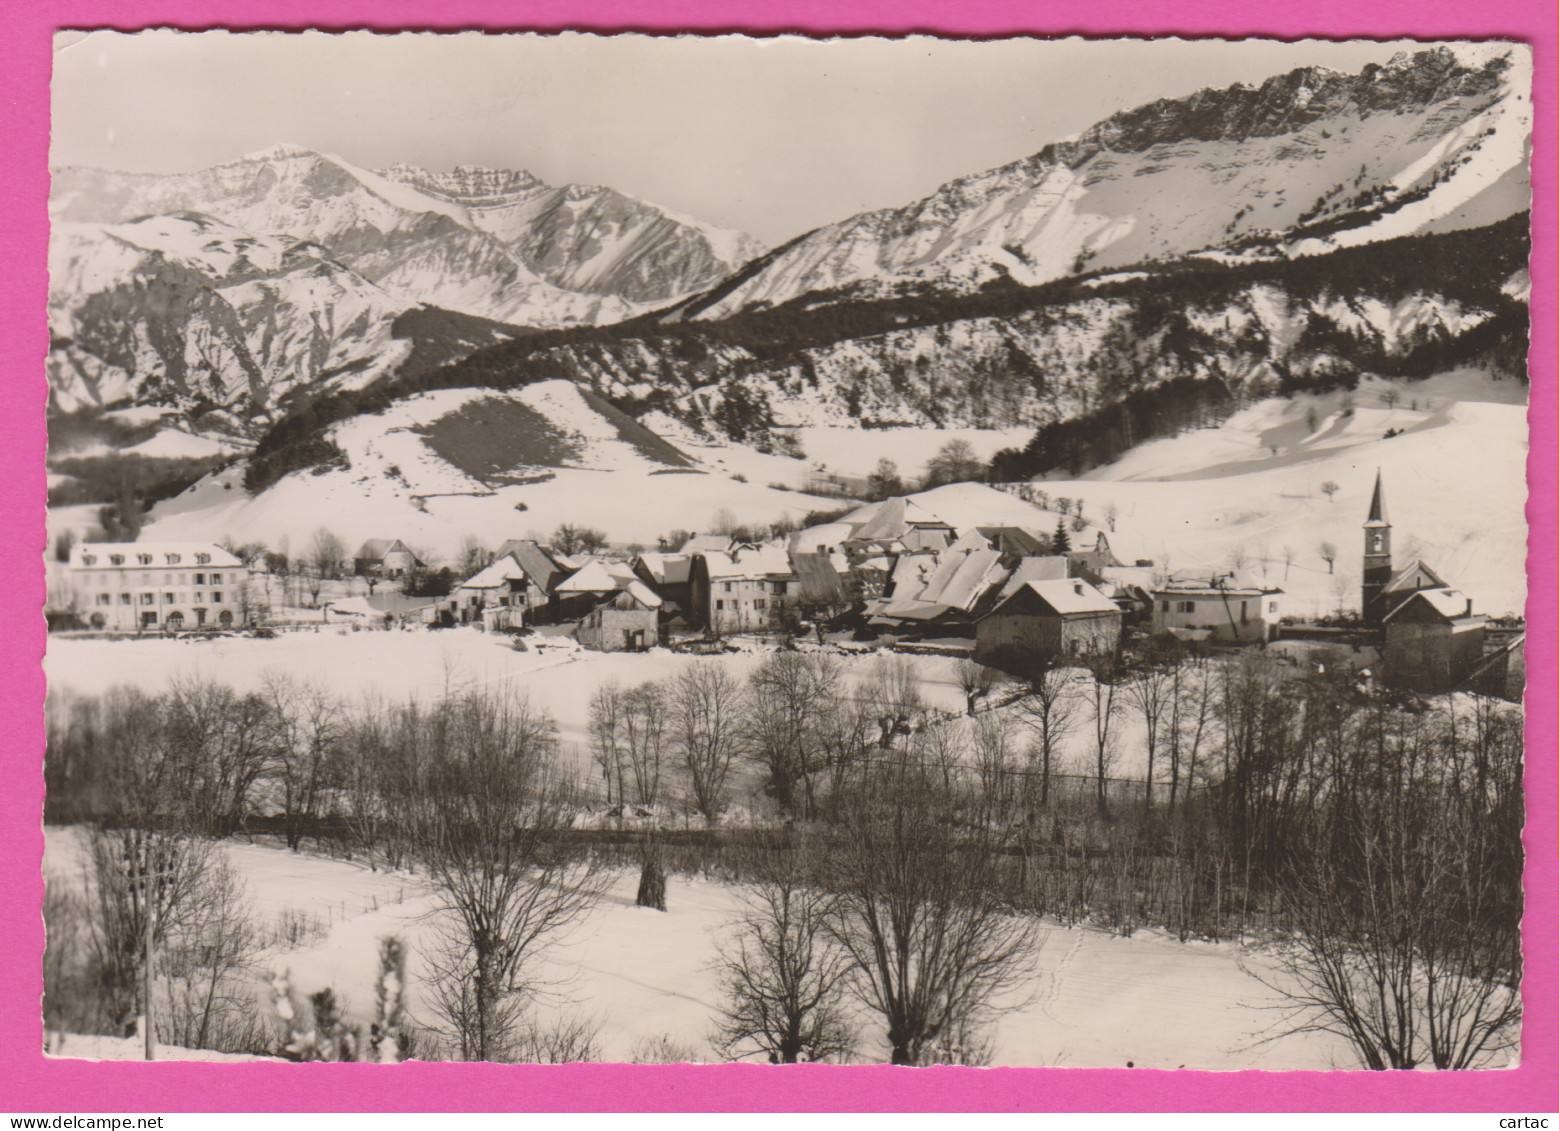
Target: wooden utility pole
149,964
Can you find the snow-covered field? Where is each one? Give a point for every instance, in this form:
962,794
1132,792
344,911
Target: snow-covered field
420,663
1093,1000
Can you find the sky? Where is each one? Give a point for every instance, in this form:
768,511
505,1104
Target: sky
773,137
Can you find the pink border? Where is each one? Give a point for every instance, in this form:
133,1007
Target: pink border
32,1083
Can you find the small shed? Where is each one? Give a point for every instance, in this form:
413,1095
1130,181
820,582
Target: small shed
627,621
1045,621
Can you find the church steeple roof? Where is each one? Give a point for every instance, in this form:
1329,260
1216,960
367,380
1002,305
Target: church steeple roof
1377,505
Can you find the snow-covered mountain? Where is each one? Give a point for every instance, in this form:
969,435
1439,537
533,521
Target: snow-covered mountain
460,241
1118,357
186,311
588,238
1306,162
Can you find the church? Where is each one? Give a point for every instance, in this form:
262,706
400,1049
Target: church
1432,640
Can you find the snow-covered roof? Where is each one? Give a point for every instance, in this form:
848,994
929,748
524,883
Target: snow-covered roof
1227,584
495,576
1072,597
766,561
1451,604
666,569
594,577
643,594
1047,567
962,579
706,543
1402,579
377,549
103,554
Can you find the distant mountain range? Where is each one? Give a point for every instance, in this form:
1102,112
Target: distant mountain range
174,288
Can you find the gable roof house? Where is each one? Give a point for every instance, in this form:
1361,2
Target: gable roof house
669,577
1434,641
741,591
500,595
1223,607
1043,622
626,621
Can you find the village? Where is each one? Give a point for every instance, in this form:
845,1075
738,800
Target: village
893,574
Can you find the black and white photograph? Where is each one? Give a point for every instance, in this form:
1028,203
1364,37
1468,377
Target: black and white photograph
687,549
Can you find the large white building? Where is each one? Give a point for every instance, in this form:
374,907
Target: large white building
158,586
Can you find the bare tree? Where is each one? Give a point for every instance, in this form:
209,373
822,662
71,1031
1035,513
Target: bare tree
1288,560
487,823
787,695
1329,488
628,735
221,742
1101,693
570,539
781,972
1149,694
310,728
1112,512
1328,552
474,555
995,764
705,714
326,553
1407,943
933,949
976,681
884,481
954,462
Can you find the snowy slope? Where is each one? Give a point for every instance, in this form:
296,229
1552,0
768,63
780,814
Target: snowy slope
439,465
1455,480
1429,142
1095,1000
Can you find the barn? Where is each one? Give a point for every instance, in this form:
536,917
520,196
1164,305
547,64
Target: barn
1045,621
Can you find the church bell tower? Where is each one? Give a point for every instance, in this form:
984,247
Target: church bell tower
1377,556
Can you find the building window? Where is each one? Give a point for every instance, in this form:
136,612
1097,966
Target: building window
173,559
117,559
216,579
1187,607
779,588
104,599
1272,607
727,586
216,598
144,559
124,598
91,559
200,579
719,606
148,599
202,559
760,605
167,598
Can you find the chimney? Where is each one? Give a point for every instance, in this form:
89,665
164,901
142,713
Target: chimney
1469,606
1077,587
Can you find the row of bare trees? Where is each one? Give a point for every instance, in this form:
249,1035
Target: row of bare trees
1380,837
